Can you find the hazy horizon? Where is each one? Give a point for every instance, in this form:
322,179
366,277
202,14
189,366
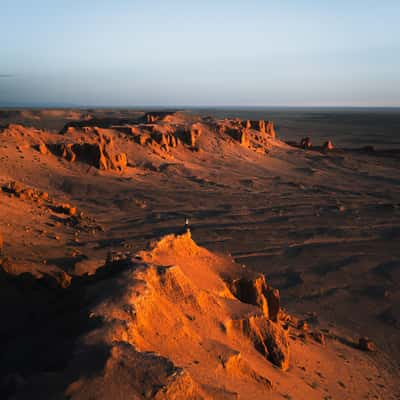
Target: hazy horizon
160,107
184,55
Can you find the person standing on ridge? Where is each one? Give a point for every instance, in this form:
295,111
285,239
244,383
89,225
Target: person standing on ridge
187,225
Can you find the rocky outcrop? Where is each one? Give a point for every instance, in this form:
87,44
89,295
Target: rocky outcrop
366,344
264,127
67,152
152,117
328,146
172,322
319,337
236,132
101,155
65,208
42,148
238,367
254,135
137,375
17,189
306,143
268,338
165,140
193,136
172,300
270,129
256,291
244,137
167,130
167,136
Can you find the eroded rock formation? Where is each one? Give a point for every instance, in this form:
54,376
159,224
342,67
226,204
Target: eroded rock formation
149,316
256,291
254,135
264,127
23,192
268,338
193,135
101,155
168,130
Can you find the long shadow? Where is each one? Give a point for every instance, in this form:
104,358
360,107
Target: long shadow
43,321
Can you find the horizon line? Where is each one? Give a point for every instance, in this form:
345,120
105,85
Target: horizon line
190,107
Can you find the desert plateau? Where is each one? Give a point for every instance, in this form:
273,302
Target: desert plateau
196,254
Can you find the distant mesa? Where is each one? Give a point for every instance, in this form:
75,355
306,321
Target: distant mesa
97,141
169,130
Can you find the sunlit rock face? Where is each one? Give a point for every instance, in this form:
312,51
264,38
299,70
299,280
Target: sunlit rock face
265,127
101,155
150,316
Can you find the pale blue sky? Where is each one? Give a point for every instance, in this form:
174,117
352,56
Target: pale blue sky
227,52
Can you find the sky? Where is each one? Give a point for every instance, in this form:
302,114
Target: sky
127,53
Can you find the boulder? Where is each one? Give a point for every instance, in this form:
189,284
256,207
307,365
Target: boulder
65,208
328,146
366,344
305,143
